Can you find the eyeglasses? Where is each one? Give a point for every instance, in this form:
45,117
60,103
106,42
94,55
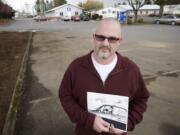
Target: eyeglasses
101,38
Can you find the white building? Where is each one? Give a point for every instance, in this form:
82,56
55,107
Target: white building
149,9
171,9
108,12
29,9
143,11
114,3
63,10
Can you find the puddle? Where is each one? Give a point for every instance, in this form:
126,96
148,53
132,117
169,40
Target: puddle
169,129
162,98
149,78
34,92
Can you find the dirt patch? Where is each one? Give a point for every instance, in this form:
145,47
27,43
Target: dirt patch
6,21
12,48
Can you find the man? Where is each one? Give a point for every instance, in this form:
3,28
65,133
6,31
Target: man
103,70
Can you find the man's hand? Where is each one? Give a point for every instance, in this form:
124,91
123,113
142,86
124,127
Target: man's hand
100,125
116,131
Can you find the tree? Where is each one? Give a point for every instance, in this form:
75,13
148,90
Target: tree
136,5
59,2
161,3
89,5
40,7
37,7
49,5
80,4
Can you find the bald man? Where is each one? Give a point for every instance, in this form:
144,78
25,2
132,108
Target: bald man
105,71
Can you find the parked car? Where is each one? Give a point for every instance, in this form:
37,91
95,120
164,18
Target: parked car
39,18
168,19
66,18
75,18
153,15
84,17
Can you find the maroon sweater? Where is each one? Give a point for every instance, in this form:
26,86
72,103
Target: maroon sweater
81,77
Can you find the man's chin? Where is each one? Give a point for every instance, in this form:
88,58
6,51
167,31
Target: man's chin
103,56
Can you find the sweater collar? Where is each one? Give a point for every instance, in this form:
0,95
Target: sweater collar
87,63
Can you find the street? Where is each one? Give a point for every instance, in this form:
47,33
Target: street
154,48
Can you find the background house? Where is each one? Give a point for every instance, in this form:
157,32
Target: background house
143,11
108,12
171,9
63,10
113,3
149,10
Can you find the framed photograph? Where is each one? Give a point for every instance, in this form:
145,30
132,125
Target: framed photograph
112,108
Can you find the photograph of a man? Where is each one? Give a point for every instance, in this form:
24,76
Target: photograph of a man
103,70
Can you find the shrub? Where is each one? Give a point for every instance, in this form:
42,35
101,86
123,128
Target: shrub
95,16
140,20
100,17
129,21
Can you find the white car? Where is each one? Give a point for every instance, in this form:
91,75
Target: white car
168,19
66,18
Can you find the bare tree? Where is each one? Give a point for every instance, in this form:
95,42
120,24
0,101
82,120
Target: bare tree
136,5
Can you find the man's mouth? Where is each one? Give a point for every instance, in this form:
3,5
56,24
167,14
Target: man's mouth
104,49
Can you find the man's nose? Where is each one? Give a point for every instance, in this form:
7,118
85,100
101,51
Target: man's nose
106,42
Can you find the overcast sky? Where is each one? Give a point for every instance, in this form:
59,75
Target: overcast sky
19,4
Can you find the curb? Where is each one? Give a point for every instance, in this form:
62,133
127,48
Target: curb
9,125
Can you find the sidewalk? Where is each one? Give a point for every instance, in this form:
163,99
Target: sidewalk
51,53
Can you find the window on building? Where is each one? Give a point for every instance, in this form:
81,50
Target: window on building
113,12
68,9
76,13
141,12
124,3
61,13
146,11
103,12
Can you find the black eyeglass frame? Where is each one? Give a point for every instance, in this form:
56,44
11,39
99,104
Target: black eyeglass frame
110,39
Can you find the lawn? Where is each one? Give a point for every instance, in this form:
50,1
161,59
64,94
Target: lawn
12,48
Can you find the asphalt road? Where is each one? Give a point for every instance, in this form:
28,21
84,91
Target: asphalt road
155,48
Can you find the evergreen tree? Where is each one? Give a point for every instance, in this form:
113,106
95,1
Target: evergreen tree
37,7
40,7
59,2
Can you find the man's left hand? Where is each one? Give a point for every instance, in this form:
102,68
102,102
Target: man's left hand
116,131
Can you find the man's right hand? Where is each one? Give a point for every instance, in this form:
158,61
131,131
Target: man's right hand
101,125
